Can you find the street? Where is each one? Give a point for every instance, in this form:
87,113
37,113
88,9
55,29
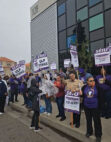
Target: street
14,127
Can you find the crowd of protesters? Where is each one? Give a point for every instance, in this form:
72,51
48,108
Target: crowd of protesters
95,95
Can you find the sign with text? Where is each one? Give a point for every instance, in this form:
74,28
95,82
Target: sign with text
74,56
18,70
72,102
53,66
102,57
67,63
42,61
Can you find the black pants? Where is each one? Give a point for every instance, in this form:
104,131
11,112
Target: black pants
76,119
2,103
35,120
95,115
14,93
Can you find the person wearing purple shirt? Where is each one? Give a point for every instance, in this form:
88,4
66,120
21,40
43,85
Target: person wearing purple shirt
102,82
14,88
92,101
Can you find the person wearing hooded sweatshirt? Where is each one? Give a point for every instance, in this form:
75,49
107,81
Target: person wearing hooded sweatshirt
3,93
93,101
34,94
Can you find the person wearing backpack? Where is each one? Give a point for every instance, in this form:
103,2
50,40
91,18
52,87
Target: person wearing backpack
34,95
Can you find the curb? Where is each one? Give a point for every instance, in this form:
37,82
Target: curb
67,130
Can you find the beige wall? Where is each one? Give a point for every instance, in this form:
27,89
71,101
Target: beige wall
40,6
6,66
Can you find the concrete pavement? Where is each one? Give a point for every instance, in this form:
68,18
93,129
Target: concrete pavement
52,121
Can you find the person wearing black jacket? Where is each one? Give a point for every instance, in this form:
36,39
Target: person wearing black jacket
3,93
34,95
92,101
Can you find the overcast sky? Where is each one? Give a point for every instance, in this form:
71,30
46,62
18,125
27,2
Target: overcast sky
15,29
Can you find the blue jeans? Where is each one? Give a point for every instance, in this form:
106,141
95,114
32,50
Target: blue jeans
60,105
48,104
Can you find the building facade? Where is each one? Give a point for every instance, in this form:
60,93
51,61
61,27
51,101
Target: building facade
44,30
53,28
7,64
95,18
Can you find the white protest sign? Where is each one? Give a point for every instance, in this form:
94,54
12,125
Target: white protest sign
1,68
74,56
67,63
35,65
22,62
53,66
102,57
72,102
18,70
42,61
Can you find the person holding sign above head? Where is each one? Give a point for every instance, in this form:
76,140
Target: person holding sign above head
104,82
73,86
92,100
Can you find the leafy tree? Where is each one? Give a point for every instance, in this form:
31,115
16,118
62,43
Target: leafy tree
84,53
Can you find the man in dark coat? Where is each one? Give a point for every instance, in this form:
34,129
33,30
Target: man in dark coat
34,95
3,93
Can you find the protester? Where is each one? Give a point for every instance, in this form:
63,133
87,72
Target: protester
47,85
93,100
34,90
60,98
62,74
3,94
14,88
38,79
74,85
48,75
102,82
23,90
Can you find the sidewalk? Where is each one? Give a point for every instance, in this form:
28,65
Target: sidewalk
52,121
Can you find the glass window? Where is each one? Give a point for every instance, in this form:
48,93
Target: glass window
71,13
99,34
61,9
93,2
62,40
71,40
70,31
86,28
96,9
82,14
107,4
108,23
62,22
96,45
81,3
108,40
96,22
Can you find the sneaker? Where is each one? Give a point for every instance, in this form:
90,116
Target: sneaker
45,112
32,127
88,135
37,130
98,139
1,113
48,114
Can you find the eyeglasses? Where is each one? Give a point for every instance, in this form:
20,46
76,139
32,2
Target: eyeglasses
91,80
